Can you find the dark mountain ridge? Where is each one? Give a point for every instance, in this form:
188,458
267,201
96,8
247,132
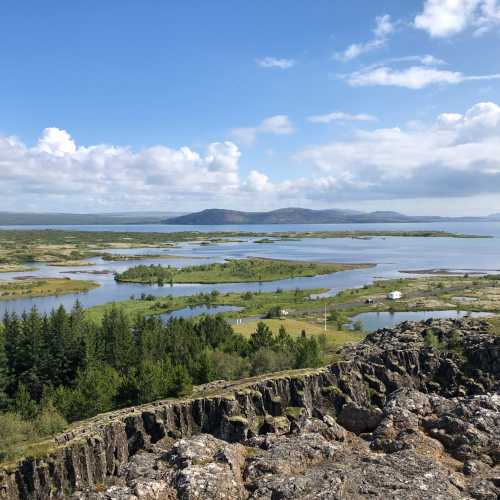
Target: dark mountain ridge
294,215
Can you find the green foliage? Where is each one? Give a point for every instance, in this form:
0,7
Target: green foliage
181,381
338,317
432,340
14,431
63,365
262,337
229,365
4,374
268,360
151,381
95,392
454,342
205,371
309,353
451,344
274,312
49,421
119,351
23,404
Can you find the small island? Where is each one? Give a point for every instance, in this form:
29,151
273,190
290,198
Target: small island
232,271
16,268
40,287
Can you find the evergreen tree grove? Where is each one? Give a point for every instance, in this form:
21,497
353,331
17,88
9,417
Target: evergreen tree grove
62,365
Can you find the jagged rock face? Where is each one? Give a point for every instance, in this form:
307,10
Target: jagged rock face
315,459
395,420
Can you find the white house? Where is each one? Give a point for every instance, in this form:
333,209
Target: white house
395,295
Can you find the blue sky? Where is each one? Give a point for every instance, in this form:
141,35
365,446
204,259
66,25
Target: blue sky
129,104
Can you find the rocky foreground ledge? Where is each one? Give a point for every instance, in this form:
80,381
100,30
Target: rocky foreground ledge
396,420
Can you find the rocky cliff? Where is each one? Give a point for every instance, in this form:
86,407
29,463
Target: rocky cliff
396,419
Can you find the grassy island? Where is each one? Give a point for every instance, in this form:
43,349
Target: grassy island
232,271
41,287
118,257
15,268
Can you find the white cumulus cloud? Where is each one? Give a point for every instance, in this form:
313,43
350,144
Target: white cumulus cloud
62,176
444,18
56,142
258,182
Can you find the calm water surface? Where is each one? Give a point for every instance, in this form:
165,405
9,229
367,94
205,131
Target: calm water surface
391,255
373,321
191,312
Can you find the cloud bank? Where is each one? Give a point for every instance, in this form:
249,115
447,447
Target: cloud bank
58,175
457,155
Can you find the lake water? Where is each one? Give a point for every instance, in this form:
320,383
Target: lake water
373,321
391,255
484,228
191,312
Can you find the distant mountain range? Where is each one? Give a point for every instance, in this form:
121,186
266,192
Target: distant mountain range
305,216
24,219
226,217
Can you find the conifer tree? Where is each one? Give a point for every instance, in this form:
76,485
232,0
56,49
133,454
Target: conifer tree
4,371
119,345
181,381
262,337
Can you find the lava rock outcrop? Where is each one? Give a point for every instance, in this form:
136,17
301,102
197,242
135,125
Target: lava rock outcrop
394,419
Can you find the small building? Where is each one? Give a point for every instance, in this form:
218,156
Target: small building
394,295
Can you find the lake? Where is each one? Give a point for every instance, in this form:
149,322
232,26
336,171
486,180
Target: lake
391,255
373,321
191,312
